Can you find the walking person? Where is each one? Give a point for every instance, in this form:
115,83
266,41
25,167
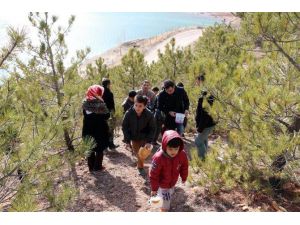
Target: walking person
146,91
204,122
168,164
172,101
95,126
158,117
108,98
138,128
129,101
181,85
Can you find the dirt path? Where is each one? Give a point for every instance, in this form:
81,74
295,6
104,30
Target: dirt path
120,188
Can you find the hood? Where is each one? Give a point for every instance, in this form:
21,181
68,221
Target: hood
168,136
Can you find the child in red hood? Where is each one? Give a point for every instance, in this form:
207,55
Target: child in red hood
167,164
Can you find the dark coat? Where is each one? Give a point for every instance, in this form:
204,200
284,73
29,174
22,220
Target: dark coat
96,126
138,127
177,102
203,119
127,104
108,98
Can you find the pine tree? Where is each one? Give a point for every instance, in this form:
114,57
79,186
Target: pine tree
9,130
44,115
256,102
173,63
134,69
98,72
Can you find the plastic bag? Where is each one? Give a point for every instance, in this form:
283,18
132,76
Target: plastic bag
179,118
145,152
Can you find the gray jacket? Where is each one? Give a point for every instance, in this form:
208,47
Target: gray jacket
138,128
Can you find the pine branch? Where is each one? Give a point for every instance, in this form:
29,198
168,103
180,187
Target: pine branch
16,39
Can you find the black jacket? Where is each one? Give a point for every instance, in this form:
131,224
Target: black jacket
95,126
203,119
138,128
108,98
177,102
127,104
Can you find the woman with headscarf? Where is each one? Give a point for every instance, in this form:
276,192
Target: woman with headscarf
95,126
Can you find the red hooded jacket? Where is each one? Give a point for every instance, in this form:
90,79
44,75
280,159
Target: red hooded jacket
165,170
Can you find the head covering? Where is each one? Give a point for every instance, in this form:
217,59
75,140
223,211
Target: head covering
93,91
168,136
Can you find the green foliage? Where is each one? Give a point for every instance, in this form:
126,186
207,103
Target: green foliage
256,102
134,69
97,72
16,39
41,117
253,72
173,63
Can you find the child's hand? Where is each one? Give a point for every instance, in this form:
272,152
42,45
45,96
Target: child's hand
148,145
153,193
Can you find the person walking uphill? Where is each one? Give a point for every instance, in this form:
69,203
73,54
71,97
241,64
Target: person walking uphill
95,116
158,117
204,122
129,101
171,101
146,91
108,98
138,128
168,164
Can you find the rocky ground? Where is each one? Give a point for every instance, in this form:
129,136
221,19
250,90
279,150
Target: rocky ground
120,188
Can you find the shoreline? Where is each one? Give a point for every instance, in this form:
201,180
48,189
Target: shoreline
184,36
227,17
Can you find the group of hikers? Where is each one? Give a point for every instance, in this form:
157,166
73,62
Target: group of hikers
147,114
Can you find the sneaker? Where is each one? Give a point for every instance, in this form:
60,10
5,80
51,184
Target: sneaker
142,172
155,143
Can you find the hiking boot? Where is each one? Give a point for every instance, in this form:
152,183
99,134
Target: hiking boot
97,171
113,146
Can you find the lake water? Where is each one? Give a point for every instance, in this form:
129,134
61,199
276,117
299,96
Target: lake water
102,31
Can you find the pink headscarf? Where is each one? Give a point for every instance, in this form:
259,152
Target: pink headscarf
93,91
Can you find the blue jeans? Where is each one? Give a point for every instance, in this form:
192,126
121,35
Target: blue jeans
180,128
201,141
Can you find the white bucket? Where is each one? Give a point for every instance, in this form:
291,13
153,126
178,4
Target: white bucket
156,202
